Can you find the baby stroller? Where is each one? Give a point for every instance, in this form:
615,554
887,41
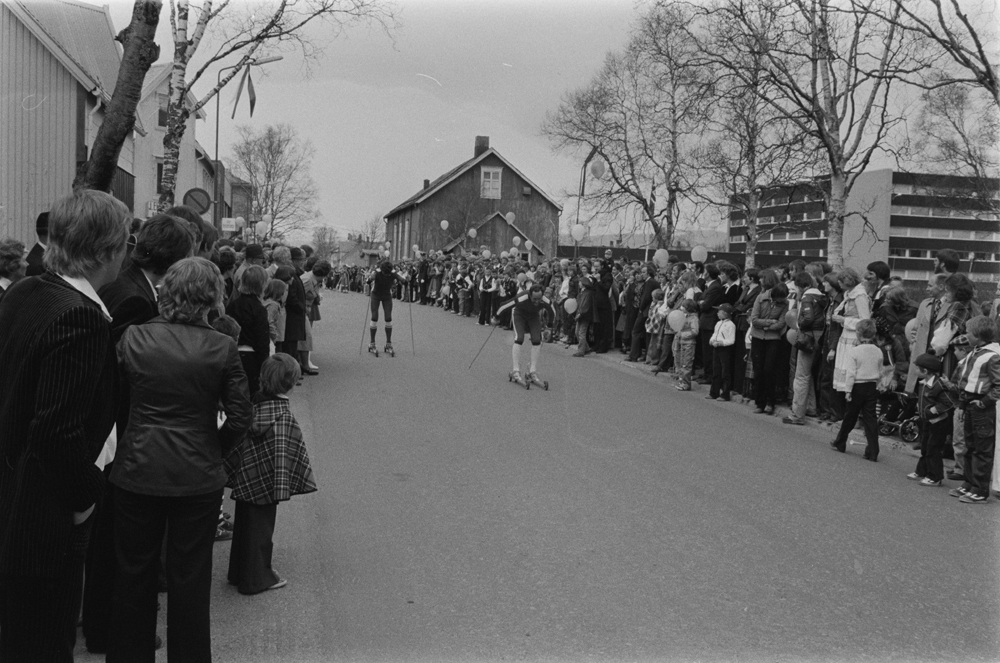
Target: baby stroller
897,415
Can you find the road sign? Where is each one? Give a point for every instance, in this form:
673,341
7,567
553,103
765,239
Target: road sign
198,199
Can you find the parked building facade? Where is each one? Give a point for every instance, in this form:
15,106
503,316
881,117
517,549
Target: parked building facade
899,218
486,194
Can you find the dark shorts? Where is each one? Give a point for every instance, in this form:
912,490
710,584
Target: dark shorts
533,325
386,306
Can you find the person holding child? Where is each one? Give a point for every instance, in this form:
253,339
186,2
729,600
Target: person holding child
863,370
723,340
271,467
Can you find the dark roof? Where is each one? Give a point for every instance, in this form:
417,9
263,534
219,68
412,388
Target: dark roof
440,182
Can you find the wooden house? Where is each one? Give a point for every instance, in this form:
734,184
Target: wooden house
487,194
58,68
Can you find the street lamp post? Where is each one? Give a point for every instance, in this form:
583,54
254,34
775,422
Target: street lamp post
216,206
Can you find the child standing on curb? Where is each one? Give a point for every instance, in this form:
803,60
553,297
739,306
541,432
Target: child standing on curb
723,339
684,343
864,361
270,467
935,409
977,379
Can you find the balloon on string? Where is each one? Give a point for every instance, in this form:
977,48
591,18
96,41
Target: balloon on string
661,258
792,336
240,223
388,245
261,227
387,252
522,277
578,231
504,254
529,244
444,225
416,247
517,241
792,319
473,233
699,254
487,254
515,252
597,168
509,218
676,320
911,331
570,305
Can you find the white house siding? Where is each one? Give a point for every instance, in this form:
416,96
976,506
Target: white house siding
38,100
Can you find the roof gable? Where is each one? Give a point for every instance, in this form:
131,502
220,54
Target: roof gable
81,37
456,172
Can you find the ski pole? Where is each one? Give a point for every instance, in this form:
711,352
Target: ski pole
410,306
363,319
493,329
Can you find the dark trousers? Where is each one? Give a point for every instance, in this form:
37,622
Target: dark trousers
604,330
932,440
38,615
864,397
829,400
722,371
140,523
251,366
764,354
707,350
485,307
638,337
630,315
102,565
783,362
250,554
980,444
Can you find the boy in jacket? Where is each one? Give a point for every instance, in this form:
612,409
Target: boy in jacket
937,403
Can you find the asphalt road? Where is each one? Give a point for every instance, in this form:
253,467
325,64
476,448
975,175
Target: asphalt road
612,518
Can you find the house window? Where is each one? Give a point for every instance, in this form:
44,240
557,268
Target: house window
159,178
895,252
161,116
490,183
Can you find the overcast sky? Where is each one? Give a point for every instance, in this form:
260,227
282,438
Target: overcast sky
384,116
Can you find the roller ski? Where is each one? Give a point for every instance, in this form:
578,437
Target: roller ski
373,349
388,350
534,379
515,376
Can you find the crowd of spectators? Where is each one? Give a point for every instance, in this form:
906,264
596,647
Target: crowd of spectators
142,375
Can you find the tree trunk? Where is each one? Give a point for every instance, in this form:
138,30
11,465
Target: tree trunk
140,52
171,158
835,220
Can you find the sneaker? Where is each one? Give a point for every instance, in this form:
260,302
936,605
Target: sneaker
915,477
795,421
973,498
681,387
927,481
958,492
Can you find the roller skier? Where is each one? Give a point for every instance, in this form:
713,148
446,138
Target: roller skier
382,282
526,317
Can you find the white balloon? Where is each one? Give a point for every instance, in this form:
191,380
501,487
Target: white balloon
699,254
388,245
241,223
517,241
529,244
661,258
487,254
504,254
416,248
515,252
509,216
570,305
262,227
444,225
267,218
578,232
387,253
472,233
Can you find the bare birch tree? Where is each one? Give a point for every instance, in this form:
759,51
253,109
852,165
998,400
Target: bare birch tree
643,114
831,71
242,34
139,52
276,163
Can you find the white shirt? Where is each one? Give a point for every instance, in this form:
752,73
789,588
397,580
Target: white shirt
5,282
724,334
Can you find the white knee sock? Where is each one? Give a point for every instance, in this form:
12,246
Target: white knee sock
535,350
516,353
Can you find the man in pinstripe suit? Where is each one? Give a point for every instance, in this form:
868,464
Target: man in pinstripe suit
58,398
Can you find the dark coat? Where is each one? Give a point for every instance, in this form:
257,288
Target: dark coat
644,298
585,310
130,301
295,309
36,266
714,296
58,398
178,375
255,331
602,293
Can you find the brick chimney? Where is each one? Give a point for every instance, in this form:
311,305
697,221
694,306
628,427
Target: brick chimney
482,144
427,184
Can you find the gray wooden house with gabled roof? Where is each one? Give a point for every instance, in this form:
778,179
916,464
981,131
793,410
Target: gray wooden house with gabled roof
487,194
